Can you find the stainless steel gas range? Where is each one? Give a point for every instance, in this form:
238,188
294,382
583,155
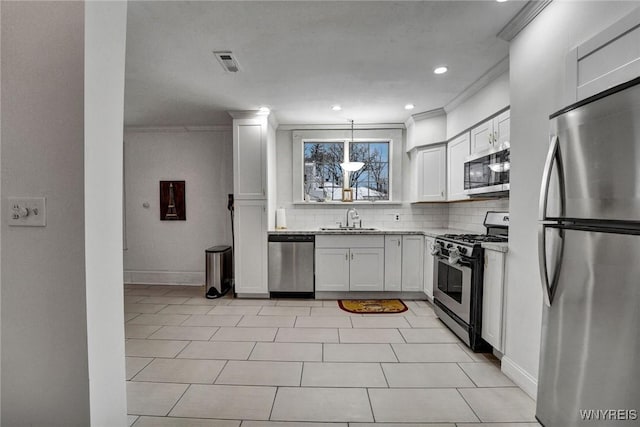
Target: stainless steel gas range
458,276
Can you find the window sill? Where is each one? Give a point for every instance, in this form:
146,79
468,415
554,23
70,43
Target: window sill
340,203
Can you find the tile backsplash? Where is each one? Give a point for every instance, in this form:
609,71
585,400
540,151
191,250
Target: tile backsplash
463,215
470,215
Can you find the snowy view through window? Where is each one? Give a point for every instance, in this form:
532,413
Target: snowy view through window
323,176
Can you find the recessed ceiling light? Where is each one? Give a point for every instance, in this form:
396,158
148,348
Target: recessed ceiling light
501,1
409,107
264,110
336,108
440,70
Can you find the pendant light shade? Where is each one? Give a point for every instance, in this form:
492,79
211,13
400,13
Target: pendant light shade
351,166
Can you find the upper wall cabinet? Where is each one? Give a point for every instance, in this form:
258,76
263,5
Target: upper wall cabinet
491,133
457,152
250,158
431,170
609,58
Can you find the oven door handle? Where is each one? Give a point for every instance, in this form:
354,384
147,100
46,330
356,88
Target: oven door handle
459,264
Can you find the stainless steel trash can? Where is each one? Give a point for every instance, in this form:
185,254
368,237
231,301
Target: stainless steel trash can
218,271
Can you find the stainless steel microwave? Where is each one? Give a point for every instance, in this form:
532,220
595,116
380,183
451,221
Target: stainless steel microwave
487,173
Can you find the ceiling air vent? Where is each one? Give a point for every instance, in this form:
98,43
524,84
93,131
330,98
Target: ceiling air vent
227,60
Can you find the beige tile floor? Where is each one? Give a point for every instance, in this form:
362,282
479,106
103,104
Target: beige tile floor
194,362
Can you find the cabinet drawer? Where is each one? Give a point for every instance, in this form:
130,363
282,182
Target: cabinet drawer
349,241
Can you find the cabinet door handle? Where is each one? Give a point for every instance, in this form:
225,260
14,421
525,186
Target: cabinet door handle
351,256
398,242
346,256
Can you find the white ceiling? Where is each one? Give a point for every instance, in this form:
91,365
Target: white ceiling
301,57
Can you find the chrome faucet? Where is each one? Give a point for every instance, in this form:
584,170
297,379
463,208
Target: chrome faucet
353,215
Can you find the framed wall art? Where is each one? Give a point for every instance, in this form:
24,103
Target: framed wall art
172,201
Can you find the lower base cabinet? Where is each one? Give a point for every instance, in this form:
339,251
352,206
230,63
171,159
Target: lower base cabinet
393,262
493,298
332,269
412,263
250,247
428,267
347,263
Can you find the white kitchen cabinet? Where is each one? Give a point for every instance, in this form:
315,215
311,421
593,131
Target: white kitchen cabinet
250,247
393,262
428,266
349,263
249,157
432,174
457,152
332,269
493,298
366,269
481,136
491,133
412,263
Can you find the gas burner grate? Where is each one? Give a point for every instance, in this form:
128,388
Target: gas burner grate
475,238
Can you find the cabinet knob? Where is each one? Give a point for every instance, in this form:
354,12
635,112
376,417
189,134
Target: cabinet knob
346,256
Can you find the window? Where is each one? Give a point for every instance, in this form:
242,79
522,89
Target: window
324,178
315,164
372,181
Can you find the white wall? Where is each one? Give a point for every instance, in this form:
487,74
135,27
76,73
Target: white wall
487,101
44,334
173,251
537,67
105,31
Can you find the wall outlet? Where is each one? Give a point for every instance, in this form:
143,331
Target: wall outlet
27,211
396,217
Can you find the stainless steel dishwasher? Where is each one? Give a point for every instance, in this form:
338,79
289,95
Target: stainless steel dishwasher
291,264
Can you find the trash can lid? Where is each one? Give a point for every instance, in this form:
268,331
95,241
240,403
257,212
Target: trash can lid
220,248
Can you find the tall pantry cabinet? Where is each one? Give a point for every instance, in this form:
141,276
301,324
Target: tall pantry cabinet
251,136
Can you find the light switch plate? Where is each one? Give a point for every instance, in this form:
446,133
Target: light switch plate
27,211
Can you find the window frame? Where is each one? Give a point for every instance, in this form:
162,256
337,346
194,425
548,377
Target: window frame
393,137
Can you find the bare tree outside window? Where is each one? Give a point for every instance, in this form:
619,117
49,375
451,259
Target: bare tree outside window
323,176
372,181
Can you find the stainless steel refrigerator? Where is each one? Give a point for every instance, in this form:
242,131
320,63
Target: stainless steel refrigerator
589,255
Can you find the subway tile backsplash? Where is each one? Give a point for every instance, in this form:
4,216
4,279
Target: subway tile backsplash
470,215
463,215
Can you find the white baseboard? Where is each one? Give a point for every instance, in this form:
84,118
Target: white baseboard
164,277
522,378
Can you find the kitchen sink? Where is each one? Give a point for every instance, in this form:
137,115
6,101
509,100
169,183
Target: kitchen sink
348,229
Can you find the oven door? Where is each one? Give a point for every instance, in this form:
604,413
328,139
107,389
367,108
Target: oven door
453,286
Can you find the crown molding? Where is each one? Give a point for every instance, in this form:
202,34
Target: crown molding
527,14
493,73
176,129
428,114
288,127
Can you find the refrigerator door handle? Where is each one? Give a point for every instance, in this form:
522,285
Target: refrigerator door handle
549,287
553,156
546,179
542,262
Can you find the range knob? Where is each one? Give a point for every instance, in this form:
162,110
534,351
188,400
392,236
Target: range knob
450,245
462,250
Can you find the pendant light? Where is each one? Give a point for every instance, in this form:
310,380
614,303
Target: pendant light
351,166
